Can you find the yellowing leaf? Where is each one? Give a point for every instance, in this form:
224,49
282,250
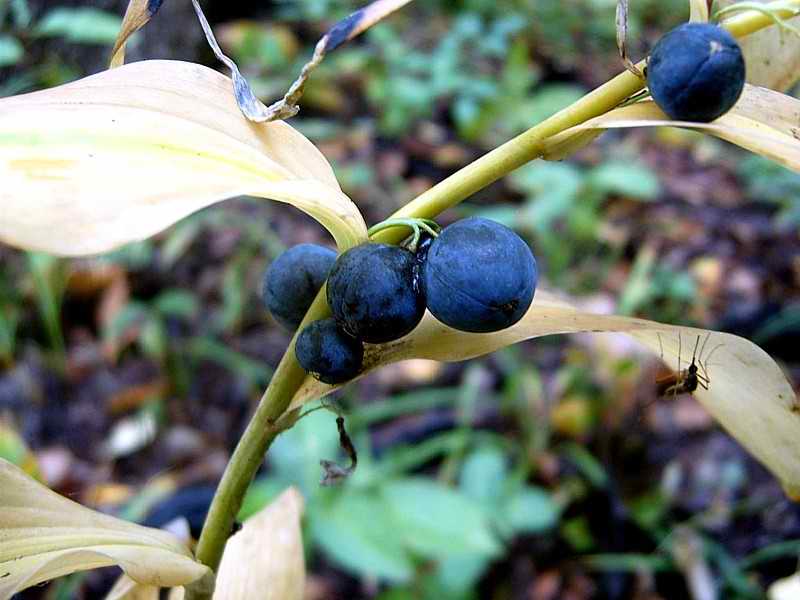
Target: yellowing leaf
44,536
772,55
265,559
698,10
120,156
748,394
127,589
787,588
763,121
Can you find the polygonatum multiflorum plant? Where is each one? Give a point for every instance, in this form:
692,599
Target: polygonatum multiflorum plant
124,154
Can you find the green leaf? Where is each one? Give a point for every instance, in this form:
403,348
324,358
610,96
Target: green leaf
625,179
80,25
587,464
177,303
21,13
456,576
578,534
633,563
256,372
437,521
483,475
531,510
553,189
538,178
11,51
296,453
260,493
358,531
550,99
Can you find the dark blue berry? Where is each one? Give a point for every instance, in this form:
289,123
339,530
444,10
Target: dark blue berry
293,280
479,276
374,294
696,72
328,353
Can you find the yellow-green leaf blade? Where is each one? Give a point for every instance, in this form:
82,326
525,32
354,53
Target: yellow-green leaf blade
265,559
772,55
763,121
122,155
698,11
748,393
44,535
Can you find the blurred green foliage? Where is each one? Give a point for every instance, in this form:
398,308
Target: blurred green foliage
387,522
768,181
20,33
80,25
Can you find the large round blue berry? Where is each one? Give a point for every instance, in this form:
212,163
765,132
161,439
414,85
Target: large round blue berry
479,276
374,293
696,72
328,353
293,280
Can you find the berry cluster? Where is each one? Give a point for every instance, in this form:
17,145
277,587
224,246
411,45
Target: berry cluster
476,275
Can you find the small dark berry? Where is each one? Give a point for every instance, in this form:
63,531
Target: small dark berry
696,72
328,353
374,292
293,280
479,276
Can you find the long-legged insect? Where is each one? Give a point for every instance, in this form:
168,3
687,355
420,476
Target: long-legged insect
686,381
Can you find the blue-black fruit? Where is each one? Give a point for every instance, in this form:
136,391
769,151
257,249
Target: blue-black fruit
328,353
479,276
292,281
374,292
696,72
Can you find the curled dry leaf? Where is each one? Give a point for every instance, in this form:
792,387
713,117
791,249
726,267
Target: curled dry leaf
137,15
748,393
119,156
45,536
622,38
344,31
772,55
763,121
249,104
